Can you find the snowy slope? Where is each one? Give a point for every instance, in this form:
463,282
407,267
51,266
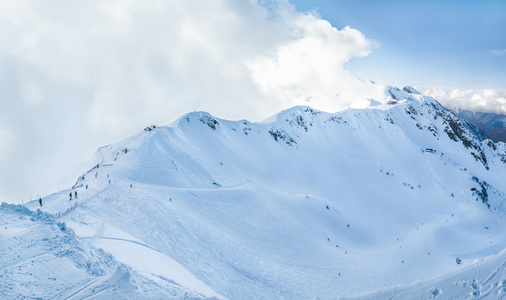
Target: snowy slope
483,279
307,204
43,259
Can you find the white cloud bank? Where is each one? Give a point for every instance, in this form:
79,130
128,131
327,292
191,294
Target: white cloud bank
75,75
487,100
309,67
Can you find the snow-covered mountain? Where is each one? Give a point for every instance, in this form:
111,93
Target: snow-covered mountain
399,198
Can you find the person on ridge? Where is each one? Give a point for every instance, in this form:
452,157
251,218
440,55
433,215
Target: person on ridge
76,194
40,202
70,196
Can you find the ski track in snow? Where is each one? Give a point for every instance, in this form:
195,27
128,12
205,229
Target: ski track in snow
123,240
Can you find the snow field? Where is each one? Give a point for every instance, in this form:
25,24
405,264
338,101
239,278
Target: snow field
43,259
307,204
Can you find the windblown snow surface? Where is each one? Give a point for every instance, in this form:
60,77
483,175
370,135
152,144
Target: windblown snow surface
368,203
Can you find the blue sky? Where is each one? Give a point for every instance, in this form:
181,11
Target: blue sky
459,44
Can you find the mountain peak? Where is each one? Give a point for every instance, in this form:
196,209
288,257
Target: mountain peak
290,113
199,117
411,90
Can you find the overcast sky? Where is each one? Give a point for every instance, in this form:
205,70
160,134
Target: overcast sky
77,75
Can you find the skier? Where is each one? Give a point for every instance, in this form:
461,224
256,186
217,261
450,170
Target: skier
40,202
70,196
76,194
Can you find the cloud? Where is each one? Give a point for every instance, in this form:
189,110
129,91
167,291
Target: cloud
497,51
486,100
75,75
310,67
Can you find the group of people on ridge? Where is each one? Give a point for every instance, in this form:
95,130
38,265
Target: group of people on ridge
70,195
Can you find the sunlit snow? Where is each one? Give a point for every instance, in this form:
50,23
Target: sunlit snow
368,202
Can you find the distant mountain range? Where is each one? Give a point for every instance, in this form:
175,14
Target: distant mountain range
493,125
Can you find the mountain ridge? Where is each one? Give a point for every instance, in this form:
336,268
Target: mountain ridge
304,204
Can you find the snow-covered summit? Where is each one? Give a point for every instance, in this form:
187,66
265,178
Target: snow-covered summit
410,90
304,204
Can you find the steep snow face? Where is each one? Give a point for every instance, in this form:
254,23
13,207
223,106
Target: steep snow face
306,204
